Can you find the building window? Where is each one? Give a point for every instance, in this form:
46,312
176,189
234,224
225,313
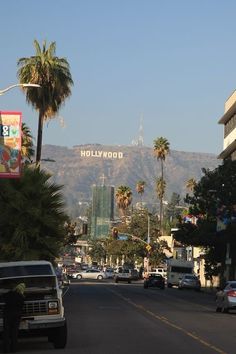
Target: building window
230,126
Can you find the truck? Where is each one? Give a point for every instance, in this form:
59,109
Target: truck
176,268
43,311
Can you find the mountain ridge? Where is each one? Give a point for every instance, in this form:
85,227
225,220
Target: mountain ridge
80,167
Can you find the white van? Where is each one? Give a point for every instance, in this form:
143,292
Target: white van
43,311
160,270
176,268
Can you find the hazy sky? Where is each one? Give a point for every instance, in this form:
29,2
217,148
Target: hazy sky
172,62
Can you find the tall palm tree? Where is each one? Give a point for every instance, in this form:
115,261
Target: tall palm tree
140,185
53,75
161,149
123,197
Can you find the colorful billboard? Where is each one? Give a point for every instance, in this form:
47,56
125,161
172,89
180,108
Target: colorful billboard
10,144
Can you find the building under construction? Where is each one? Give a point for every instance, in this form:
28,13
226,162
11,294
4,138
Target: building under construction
102,210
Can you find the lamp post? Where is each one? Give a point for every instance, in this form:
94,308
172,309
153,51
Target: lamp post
17,85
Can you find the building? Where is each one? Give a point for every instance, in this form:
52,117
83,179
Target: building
229,121
229,153
102,210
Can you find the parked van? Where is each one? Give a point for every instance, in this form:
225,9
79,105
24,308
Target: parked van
176,268
160,270
43,311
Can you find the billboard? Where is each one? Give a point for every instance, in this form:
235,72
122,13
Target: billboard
10,144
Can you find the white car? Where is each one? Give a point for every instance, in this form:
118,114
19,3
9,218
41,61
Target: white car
90,274
226,297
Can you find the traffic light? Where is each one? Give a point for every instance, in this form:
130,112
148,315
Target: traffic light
115,233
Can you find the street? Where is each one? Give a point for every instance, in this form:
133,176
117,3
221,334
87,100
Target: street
104,317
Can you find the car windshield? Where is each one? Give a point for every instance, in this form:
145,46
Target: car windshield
25,270
233,285
190,277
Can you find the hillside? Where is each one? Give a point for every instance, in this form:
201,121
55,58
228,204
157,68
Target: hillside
80,167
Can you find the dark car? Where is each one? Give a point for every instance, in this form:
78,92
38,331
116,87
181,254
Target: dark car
154,280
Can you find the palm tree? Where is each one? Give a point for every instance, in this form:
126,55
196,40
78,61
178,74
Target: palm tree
53,75
123,197
191,184
140,189
27,146
161,148
32,217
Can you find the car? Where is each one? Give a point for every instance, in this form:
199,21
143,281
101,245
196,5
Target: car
123,274
90,274
161,270
109,273
134,274
154,280
226,297
189,281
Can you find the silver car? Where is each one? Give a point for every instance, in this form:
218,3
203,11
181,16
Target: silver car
189,281
226,297
90,274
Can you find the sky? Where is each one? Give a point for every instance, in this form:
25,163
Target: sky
170,64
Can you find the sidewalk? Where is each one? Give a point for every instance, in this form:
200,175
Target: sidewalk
209,290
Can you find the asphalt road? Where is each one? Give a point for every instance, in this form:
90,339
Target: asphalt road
108,318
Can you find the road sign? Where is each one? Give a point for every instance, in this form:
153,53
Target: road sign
122,237
148,248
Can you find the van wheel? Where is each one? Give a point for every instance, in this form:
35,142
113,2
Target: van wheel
59,337
169,285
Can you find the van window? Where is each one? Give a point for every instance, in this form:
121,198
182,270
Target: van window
21,271
176,269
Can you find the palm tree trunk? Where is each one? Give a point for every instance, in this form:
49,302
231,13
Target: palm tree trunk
161,200
161,214
39,139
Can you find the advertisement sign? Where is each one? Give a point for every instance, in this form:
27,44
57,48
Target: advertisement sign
10,144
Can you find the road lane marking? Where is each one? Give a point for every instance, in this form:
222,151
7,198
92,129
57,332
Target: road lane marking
169,323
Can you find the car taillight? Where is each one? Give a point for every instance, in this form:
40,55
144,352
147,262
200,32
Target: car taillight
231,293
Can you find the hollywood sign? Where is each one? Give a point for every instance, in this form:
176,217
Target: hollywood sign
102,154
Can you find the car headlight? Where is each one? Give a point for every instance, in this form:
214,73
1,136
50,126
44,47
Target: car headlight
53,307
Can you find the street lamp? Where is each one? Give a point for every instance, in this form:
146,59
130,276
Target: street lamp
18,85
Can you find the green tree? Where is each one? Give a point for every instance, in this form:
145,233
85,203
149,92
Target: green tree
173,209
161,149
97,250
123,196
32,217
213,203
53,75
